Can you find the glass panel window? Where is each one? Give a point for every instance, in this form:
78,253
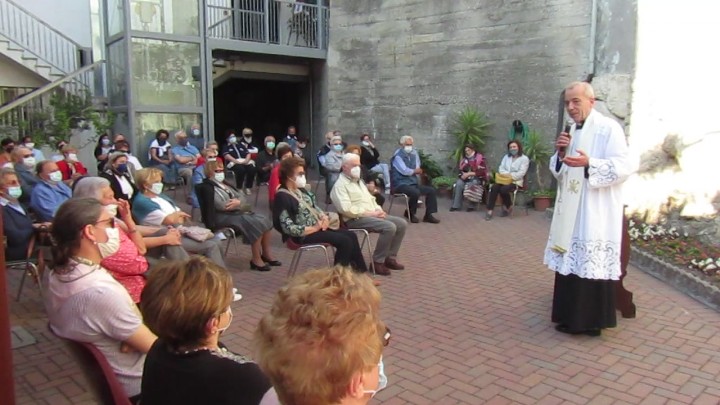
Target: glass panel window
166,16
115,13
165,72
147,124
116,66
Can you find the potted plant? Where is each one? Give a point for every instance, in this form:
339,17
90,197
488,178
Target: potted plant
539,151
469,127
444,184
431,168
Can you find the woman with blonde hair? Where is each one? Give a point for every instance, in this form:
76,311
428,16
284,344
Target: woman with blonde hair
187,304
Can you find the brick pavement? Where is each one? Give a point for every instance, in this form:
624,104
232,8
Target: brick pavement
471,324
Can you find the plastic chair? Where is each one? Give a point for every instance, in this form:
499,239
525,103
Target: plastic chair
299,249
112,390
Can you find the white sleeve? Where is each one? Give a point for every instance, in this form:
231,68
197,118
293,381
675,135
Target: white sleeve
616,164
155,218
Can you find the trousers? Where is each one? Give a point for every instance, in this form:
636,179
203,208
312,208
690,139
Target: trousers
391,230
414,192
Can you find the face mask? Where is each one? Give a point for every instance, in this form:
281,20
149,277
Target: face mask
271,145
355,172
56,176
112,210
219,177
220,331
73,157
408,149
112,245
211,159
232,139
301,145
15,192
29,161
248,139
513,152
382,380
196,132
300,181
365,143
338,147
121,168
105,142
183,142
156,188
162,141
30,145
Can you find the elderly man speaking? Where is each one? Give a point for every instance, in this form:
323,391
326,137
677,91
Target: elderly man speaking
359,210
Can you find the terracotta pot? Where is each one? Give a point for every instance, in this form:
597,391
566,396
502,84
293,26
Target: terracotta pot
541,203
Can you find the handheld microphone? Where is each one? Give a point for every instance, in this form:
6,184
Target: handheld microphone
568,125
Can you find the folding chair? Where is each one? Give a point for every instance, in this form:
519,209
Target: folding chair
365,242
28,267
299,249
394,195
206,199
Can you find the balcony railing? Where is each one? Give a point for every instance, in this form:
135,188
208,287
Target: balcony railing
39,39
277,22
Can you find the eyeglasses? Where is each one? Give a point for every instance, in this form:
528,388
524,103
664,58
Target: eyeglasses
110,221
386,337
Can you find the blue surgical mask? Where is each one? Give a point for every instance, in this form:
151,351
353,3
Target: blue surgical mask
122,168
15,192
271,145
382,380
338,147
156,188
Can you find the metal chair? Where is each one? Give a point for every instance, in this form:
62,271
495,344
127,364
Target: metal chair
365,242
257,191
29,266
300,249
394,195
522,190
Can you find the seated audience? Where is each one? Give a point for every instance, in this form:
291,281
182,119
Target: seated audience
24,164
516,165
17,223
84,302
120,175
8,145
188,364
231,210
124,147
27,142
472,171
360,210
49,192
373,180
71,167
297,216
207,155
212,145
322,340
160,156
333,162
283,151
151,207
291,138
405,170
266,160
102,151
186,156
370,159
58,156
237,157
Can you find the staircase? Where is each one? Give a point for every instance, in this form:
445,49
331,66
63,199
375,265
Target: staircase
32,43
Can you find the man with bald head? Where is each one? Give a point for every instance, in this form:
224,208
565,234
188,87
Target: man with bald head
404,179
359,210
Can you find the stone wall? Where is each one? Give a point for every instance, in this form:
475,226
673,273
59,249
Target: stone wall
405,67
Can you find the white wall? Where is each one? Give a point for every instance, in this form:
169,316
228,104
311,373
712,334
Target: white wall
71,17
14,75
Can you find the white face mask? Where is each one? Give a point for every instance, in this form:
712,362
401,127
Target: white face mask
408,149
156,188
112,209
221,330
212,159
366,143
15,192
219,177
382,380
300,181
73,157
29,162
30,145
112,245
355,172
232,139
56,176
196,132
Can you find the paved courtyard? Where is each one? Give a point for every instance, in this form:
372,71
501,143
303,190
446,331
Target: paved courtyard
471,325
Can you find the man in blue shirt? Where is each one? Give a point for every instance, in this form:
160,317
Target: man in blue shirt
50,192
186,156
24,163
403,174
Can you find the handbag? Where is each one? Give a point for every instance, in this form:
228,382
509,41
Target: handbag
503,178
196,233
473,192
334,217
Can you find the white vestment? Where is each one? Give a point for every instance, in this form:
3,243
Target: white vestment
594,248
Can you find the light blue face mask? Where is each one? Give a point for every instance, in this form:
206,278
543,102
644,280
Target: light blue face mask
338,147
382,380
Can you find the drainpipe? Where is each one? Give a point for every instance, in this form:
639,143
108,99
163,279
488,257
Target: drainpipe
593,35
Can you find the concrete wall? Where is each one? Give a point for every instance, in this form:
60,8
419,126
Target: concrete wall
405,67
70,17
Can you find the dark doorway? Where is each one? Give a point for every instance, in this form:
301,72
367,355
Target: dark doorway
268,107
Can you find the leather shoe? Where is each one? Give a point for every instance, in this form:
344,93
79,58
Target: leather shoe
274,263
254,266
393,264
431,219
566,329
413,218
453,209
380,269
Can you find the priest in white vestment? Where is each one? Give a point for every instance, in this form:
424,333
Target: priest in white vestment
590,165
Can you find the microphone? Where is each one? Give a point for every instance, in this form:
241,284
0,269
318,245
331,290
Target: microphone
568,125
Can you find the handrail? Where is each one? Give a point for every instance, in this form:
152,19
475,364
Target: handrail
38,38
48,87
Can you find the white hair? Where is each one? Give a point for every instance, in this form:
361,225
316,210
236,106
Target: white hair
180,133
404,139
89,187
336,138
586,87
349,158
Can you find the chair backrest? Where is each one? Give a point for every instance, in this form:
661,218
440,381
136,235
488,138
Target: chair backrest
117,391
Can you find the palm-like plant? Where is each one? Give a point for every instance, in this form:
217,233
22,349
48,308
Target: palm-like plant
539,151
469,127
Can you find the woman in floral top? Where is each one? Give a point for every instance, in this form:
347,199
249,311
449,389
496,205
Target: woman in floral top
297,220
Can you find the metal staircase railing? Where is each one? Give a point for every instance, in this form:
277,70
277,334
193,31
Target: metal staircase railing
39,39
